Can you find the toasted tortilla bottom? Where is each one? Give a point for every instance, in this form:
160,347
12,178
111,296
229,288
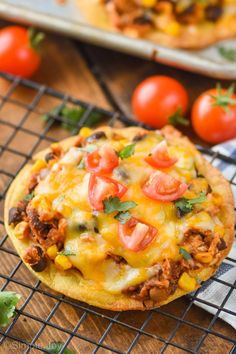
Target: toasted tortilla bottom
193,37
71,282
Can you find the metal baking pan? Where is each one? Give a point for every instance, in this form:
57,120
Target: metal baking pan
68,20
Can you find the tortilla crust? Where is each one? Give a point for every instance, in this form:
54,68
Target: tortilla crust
193,37
70,282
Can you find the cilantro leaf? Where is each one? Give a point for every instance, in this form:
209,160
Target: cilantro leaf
123,216
185,254
55,348
88,148
69,117
53,113
81,165
67,252
28,197
127,151
8,302
114,204
185,206
227,53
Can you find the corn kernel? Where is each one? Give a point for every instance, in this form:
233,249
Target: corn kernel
219,230
173,28
204,257
39,165
217,199
85,132
63,262
52,251
186,282
21,230
56,149
43,205
149,3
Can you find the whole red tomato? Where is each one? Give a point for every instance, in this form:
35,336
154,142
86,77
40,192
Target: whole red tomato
214,115
18,51
158,98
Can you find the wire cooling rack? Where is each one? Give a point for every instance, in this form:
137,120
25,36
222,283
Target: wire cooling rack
44,316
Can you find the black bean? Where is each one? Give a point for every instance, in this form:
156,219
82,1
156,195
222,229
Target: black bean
221,245
121,173
15,216
82,227
138,137
213,12
180,213
39,264
143,20
96,136
186,16
49,156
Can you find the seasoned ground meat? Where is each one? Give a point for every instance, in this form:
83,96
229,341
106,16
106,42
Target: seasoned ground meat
201,241
33,182
159,287
46,234
35,257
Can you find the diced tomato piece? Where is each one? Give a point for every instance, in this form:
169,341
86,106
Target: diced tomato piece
163,187
136,235
160,157
101,187
103,160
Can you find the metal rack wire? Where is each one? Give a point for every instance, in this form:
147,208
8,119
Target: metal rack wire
137,329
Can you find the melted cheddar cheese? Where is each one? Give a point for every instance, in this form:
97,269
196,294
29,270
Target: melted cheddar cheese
92,235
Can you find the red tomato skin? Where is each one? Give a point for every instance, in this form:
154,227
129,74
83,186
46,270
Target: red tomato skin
160,157
157,98
104,163
163,187
16,55
213,124
123,231
118,190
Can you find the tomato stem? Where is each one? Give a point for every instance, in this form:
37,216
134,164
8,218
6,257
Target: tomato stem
177,118
223,99
35,39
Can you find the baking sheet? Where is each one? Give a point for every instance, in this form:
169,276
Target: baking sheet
68,20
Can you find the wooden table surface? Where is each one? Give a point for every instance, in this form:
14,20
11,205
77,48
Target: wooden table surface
107,79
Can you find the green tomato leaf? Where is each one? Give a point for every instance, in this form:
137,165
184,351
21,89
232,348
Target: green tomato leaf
127,151
55,348
185,254
114,204
8,302
177,118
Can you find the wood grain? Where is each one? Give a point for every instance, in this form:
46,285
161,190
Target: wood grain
64,68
